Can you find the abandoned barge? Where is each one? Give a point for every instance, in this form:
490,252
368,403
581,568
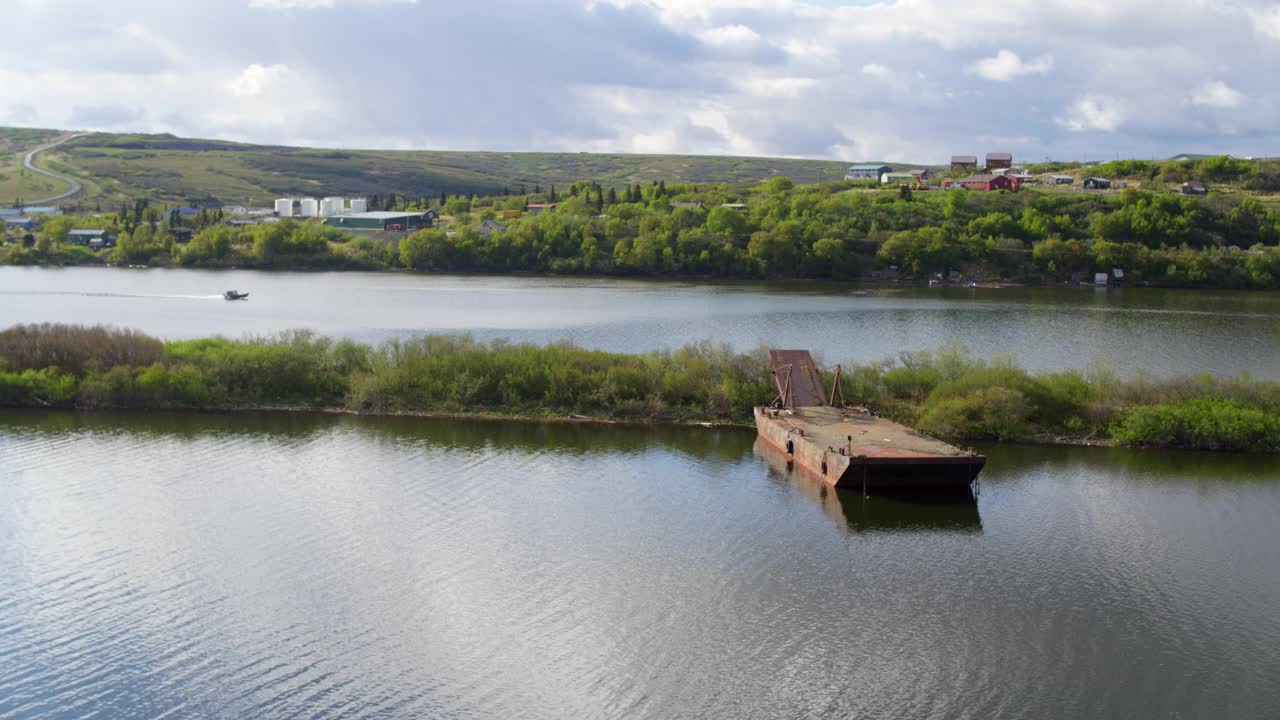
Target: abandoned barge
849,447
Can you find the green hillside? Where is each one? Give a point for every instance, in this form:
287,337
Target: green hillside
15,182
165,168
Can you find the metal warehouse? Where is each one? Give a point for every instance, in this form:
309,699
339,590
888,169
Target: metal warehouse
381,221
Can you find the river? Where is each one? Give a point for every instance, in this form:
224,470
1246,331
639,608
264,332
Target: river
308,566
1131,330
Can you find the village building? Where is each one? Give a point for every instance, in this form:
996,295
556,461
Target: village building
998,161
387,221
987,182
1062,179
86,238
966,163
1194,187
866,172
539,208
1097,183
488,226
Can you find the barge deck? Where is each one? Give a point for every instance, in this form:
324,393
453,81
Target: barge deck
849,447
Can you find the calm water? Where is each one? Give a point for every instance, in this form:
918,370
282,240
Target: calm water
315,567
1165,332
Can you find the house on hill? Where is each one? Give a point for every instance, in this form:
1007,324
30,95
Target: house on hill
1062,179
20,223
999,161
988,182
1194,187
1097,183
967,163
539,208
866,172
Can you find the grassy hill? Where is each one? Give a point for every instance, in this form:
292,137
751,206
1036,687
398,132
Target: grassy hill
15,182
165,168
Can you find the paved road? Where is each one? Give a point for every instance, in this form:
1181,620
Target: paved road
74,185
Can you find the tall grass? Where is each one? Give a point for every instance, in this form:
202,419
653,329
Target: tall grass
947,392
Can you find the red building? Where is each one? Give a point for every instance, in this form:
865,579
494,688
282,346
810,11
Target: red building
987,183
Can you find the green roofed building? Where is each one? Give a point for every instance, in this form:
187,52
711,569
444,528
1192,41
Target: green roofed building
393,221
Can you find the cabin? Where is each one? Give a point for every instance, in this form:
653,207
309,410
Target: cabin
988,182
1097,183
181,235
1194,187
999,161
1062,179
866,172
735,206
539,208
489,226
687,205
967,163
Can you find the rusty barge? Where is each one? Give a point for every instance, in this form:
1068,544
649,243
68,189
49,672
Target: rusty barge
849,447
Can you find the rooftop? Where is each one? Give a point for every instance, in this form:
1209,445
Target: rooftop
382,215
867,167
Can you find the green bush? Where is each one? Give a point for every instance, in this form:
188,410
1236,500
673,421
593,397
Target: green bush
48,387
1203,423
985,413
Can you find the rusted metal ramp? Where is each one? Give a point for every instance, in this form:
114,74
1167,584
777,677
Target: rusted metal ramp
797,378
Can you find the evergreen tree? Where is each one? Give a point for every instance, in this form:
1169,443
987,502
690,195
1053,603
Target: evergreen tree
553,193
443,199
613,196
662,188
599,199
537,189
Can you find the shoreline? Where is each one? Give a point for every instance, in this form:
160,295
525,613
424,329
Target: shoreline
573,419
857,282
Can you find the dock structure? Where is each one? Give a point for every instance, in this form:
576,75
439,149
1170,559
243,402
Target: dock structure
850,446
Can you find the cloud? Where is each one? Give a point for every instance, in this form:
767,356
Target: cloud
105,117
1095,113
19,114
1006,65
256,79
1216,94
899,80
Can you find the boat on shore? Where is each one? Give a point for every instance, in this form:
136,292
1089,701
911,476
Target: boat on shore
851,447
235,295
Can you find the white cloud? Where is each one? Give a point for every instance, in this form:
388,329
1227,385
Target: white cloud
1095,113
875,70
1267,21
730,36
1216,94
257,79
1006,65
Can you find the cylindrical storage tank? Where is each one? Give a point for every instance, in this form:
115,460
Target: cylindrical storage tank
331,206
359,205
284,207
309,207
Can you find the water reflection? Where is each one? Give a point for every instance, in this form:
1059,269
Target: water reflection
955,512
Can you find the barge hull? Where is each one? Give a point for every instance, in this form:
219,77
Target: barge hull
857,450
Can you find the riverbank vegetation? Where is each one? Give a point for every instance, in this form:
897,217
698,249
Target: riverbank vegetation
834,230
948,393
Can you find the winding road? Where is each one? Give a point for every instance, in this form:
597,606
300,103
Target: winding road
74,185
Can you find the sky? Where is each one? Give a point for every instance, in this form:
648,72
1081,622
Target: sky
898,80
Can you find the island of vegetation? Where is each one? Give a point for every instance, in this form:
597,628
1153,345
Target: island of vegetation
947,393
836,230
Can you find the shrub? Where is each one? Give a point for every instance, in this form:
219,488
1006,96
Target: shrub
1203,423
48,387
986,413
76,348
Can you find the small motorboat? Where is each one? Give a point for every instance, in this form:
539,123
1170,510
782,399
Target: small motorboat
235,295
